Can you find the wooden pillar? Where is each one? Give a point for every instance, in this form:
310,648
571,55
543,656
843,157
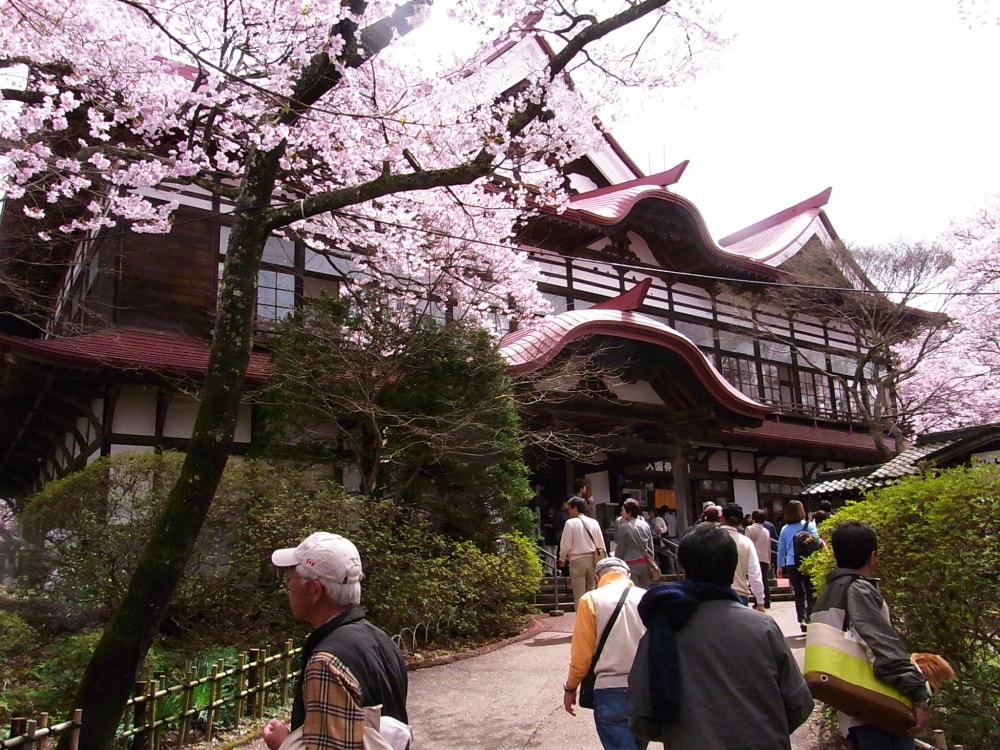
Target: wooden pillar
682,489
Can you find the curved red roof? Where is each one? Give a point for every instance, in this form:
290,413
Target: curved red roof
760,248
776,238
530,349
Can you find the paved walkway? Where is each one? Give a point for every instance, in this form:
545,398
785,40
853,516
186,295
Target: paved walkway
511,698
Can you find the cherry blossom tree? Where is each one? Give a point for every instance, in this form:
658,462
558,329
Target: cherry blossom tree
313,119
958,384
872,293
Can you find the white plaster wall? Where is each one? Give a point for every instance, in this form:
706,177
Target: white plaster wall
640,392
785,467
600,486
743,462
183,410
181,414
719,461
352,479
745,493
135,412
117,448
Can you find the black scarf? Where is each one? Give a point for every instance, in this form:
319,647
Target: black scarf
664,611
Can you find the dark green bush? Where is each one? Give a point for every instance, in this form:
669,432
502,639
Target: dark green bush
85,549
16,640
231,593
45,679
939,561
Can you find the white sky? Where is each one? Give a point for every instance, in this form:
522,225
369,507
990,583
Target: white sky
893,103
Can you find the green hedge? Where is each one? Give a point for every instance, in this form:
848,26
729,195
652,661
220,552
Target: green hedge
939,561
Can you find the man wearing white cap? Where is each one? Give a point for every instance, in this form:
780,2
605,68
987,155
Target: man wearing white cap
612,607
347,663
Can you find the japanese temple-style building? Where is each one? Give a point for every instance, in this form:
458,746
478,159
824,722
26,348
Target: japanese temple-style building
700,407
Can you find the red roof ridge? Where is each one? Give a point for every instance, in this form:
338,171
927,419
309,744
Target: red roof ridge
629,301
660,179
809,204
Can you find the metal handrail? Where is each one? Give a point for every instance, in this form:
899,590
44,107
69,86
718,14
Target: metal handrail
553,559
549,557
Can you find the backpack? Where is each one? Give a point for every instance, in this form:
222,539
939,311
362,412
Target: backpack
804,544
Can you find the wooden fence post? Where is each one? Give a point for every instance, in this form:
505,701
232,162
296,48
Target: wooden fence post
140,740
43,723
187,705
74,742
157,686
17,726
286,670
29,734
253,682
241,686
213,694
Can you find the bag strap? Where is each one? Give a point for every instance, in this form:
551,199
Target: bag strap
847,615
633,532
607,629
591,535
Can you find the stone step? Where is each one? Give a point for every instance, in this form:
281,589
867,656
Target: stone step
546,600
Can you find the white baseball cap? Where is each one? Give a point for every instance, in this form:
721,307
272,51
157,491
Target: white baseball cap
612,563
330,556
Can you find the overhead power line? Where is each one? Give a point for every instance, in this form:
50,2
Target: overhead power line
637,267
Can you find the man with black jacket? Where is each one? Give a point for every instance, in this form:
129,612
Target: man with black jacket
851,589
347,663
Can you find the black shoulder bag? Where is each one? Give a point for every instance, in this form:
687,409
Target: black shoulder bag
587,684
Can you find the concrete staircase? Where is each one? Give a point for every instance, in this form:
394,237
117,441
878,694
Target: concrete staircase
555,593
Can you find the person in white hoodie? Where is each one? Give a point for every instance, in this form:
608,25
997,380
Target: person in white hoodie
611,685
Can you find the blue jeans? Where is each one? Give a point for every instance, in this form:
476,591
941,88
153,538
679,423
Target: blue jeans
867,737
611,719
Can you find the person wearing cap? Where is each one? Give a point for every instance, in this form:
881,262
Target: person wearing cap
347,663
611,686
709,672
748,578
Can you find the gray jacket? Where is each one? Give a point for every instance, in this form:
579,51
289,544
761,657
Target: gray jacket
848,592
741,688
633,540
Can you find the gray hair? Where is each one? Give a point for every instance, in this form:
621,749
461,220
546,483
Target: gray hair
341,594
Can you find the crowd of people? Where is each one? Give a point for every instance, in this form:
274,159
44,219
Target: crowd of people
639,535
694,663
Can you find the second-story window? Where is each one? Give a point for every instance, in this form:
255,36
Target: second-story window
816,395
275,295
277,279
742,373
779,385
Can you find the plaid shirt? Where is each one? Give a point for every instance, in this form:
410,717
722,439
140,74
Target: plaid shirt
334,718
